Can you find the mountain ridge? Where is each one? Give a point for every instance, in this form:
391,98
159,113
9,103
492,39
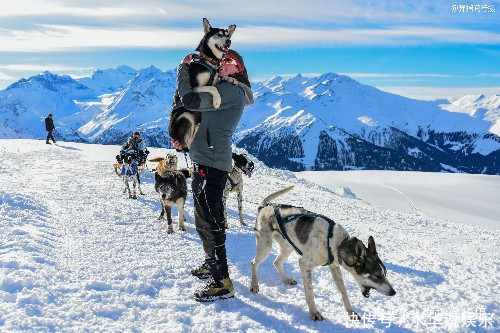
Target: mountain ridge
327,122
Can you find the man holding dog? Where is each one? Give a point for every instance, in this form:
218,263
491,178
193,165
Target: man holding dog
211,154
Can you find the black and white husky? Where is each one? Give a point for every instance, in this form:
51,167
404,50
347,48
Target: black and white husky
241,164
203,72
172,188
320,241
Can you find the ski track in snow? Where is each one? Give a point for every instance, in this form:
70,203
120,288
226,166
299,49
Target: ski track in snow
412,205
76,254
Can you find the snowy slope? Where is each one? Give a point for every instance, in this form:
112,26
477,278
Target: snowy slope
143,105
76,255
107,81
462,198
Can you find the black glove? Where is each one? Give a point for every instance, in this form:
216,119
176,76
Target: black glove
119,158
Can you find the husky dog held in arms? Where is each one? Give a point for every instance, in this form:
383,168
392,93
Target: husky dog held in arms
203,71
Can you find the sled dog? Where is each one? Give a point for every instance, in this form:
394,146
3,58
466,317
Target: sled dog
241,164
172,189
320,241
129,169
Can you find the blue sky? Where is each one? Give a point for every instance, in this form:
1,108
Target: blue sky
422,49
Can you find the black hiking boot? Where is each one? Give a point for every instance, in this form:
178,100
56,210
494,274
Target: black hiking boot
215,290
48,143
201,272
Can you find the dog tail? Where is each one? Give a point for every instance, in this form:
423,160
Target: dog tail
116,167
274,195
157,159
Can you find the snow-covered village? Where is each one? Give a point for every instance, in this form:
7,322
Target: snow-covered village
264,167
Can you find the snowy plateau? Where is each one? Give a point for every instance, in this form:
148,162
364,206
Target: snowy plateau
328,122
77,256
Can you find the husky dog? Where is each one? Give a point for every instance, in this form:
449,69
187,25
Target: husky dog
165,164
172,188
320,241
129,168
241,163
203,71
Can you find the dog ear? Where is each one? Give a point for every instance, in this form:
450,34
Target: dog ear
360,251
206,26
371,246
231,29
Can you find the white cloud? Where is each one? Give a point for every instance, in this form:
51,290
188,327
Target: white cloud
57,38
5,77
431,93
397,75
41,68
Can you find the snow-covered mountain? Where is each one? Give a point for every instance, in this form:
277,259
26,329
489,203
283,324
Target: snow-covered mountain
330,122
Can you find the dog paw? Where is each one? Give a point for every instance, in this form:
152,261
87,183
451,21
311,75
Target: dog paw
170,230
243,223
254,289
182,228
226,226
143,193
316,316
290,282
216,100
134,197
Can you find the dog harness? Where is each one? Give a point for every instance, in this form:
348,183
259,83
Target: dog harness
130,171
202,59
231,181
282,221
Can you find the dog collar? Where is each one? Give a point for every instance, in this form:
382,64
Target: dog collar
208,59
340,246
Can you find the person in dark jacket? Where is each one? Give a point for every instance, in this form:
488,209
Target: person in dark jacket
137,145
211,154
49,127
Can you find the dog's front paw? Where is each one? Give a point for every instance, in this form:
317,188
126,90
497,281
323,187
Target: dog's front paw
134,196
216,99
254,289
182,228
290,282
316,316
170,230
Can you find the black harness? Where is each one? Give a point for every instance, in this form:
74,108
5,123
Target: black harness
282,221
231,181
211,68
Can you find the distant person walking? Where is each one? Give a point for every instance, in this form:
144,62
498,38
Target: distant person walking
49,127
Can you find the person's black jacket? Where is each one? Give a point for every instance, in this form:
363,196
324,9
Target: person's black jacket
49,124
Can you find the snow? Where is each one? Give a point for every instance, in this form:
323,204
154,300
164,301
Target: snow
76,255
461,198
